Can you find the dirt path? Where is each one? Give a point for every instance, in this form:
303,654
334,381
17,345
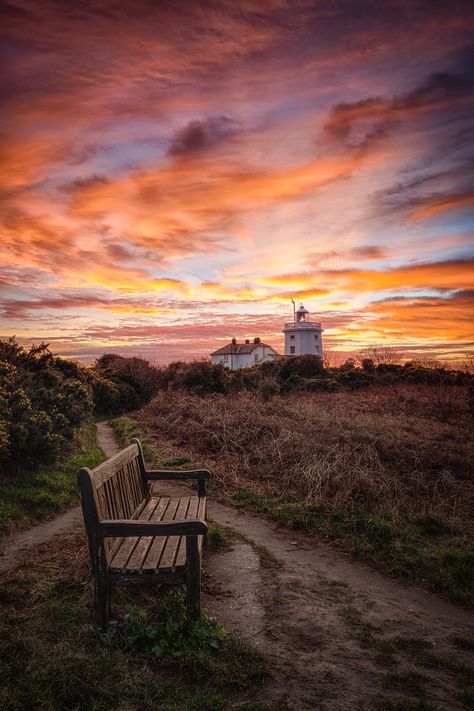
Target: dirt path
338,635
15,544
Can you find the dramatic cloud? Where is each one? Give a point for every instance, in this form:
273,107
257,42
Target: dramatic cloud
174,174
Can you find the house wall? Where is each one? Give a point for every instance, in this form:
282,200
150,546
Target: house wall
244,360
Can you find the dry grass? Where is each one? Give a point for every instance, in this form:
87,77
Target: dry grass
380,449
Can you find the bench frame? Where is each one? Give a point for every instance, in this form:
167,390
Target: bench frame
100,530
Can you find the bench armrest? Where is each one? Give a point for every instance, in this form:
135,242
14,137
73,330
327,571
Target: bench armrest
202,475
116,528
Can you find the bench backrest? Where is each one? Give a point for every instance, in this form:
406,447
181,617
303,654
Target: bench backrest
116,489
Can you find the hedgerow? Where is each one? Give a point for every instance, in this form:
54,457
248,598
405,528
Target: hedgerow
43,400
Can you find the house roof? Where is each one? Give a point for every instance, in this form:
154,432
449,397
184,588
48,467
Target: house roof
239,348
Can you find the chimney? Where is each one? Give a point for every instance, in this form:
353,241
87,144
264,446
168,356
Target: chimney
247,340
234,341
256,340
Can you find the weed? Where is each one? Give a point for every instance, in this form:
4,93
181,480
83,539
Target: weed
217,536
168,634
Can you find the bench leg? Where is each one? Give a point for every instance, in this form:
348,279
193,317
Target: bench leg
102,602
193,579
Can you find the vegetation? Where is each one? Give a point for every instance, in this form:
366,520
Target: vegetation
47,491
120,384
43,401
376,471
150,661
307,374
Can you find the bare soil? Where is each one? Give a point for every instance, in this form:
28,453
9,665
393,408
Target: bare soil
338,635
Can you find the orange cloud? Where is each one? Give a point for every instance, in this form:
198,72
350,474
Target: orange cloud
453,274
436,206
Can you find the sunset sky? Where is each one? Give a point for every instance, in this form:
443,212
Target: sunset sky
173,173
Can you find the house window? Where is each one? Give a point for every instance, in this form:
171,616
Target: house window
255,357
292,338
292,350
316,337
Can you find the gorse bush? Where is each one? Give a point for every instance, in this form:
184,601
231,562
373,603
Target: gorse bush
43,400
120,383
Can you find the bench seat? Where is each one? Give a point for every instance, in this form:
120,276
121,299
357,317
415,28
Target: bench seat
151,555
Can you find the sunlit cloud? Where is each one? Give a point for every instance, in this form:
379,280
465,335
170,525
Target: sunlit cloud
173,175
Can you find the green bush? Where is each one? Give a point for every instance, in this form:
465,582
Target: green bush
197,377
120,383
304,366
43,400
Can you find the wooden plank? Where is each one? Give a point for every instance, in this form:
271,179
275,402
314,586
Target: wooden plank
111,498
138,556
103,506
170,550
202,509
150,564
192,511
127,547
125,484
108,468
138,482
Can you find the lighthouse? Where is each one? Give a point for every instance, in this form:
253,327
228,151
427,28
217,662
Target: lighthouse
303,336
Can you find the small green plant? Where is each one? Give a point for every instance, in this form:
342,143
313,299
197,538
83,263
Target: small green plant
176,462
217,536
168,635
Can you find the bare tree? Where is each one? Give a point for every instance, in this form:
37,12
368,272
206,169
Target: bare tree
468,364
333,359
380,354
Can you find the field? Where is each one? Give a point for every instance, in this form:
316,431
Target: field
378,470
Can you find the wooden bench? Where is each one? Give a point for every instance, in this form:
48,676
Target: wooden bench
136,535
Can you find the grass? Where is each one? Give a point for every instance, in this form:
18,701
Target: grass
125,429
414,654
372,470
50,490
362,471
403,548
54,658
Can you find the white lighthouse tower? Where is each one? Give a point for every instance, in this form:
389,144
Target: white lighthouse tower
303,336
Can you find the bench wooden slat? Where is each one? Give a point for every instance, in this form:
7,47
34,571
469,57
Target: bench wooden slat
127,546
150,564
108,468
137,559
192,511
168,556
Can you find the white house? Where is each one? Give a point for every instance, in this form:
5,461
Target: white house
303,336
242,355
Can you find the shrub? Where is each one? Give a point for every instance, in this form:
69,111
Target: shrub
43,400
305,366
120,383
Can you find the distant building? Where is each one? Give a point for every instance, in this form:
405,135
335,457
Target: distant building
303,336
242,355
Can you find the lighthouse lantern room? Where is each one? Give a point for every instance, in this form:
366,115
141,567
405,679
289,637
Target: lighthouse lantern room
303,336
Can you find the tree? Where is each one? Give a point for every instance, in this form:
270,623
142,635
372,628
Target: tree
380,354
